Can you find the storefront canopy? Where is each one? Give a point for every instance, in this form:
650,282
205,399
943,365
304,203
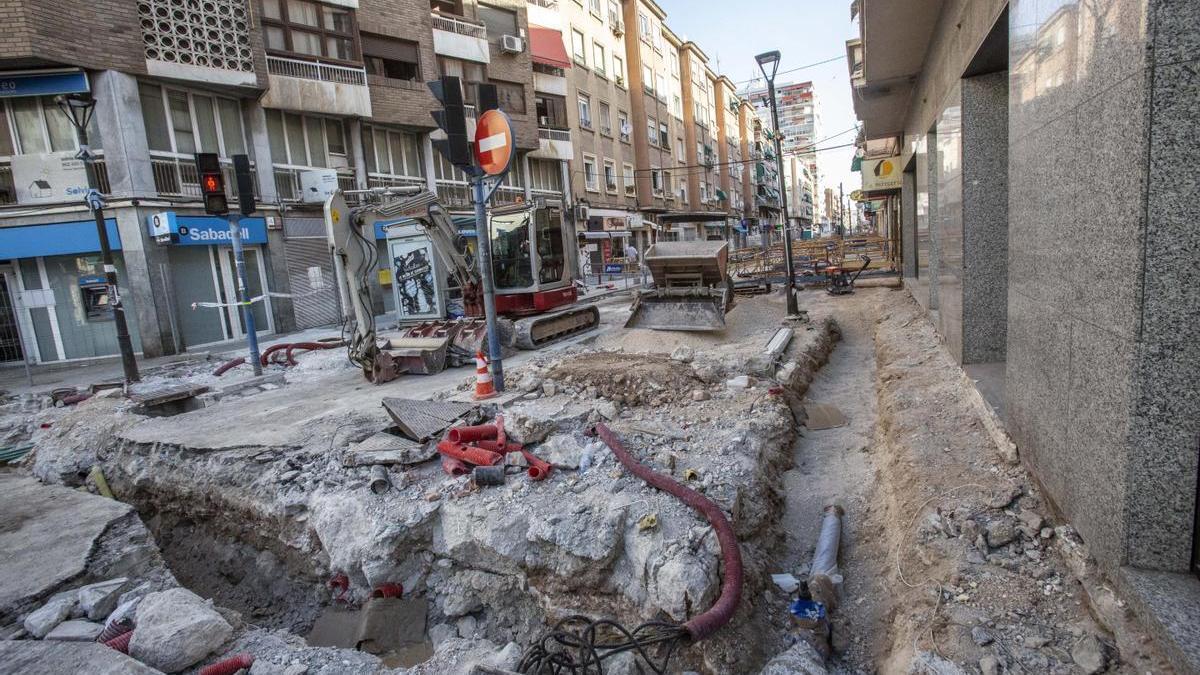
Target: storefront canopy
547,48
79,236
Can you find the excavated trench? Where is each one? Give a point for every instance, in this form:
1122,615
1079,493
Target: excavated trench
263,530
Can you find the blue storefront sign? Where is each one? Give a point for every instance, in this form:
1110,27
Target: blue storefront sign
78,236
168,227
613,268
43,83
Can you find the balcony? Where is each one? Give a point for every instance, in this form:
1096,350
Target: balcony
460,38
175,175
546,4
554,144
287,181
316,86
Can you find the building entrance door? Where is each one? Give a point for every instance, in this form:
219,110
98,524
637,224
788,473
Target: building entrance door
256,285
11,350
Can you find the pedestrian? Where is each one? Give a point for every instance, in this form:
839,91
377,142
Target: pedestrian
631,253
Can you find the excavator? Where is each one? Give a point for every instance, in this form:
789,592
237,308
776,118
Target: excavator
532,273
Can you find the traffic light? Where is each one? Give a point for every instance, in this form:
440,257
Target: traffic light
245,184
489,97
212,183
452,119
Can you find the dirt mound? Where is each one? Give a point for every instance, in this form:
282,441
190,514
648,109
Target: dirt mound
631,379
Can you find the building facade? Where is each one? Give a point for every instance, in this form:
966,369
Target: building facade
612,113
1071,291
337,87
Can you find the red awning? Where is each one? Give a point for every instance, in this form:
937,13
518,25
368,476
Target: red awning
547,48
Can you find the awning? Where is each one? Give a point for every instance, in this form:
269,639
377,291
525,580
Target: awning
721,195
610,234
547,48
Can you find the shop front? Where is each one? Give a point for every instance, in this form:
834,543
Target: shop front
54,302
204,276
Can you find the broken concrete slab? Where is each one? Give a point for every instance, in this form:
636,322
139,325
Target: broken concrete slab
100,599
801,659
820,416
31,657
75,630
176,629
387,449
422,420
43,620
253,383
42,518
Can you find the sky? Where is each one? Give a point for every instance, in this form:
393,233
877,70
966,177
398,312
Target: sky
805,32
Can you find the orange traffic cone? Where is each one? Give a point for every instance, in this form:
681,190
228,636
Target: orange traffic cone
483,379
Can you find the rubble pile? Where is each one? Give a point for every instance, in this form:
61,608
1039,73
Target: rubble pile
495,565
981,574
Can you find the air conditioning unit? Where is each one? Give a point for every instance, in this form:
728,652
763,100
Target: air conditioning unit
316,185
511,44
618,28
581,213
543,121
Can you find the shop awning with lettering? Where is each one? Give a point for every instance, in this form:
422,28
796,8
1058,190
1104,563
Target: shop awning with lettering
547,48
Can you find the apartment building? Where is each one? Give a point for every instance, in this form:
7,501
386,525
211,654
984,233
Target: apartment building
299,85
594,113
766,184
800,129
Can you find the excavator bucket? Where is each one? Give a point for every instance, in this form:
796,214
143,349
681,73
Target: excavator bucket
692,290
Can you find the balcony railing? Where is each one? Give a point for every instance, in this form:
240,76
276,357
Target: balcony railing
548,4
554,134
386,180
454,24
287,181
453,193
176,175
316,70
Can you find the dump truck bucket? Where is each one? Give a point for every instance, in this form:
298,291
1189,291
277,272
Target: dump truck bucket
692,290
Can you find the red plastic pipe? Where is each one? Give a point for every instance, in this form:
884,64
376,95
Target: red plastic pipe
228,365
475,433
309,347
722,610
469,454
388,590
454,467
264,358
228,666
121,642
539,469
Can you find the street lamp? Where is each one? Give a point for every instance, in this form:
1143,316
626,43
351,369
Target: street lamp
79,109
770,61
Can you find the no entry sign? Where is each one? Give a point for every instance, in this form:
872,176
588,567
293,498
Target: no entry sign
493,142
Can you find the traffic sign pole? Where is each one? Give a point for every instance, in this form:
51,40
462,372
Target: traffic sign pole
239,257
493,156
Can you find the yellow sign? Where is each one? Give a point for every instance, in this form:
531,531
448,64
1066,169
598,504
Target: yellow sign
881,174
385,277
857,195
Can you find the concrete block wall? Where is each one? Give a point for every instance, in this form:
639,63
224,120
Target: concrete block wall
45,33
394,102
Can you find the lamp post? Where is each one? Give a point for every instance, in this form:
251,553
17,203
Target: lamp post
770,60
79,108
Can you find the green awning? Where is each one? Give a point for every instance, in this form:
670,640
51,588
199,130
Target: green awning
856,163
721,195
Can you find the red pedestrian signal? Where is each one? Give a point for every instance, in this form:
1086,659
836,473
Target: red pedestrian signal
212,184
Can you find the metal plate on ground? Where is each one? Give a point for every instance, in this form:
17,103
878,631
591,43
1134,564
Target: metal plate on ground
387,449
823,416
422,420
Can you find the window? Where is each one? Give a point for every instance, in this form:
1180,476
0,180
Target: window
605,125
511,97
643,26
630,185
183,122
585,111
656,180
675,63
652,131
598,58
309,28
647,78
610,176
618,70
594,7
623,125
664,135
305,140
682,150
578,48
39,126
469,72
683,191
670,190
662,86
394,153
590,180
546,175
499,21
552,112
677,107
391,58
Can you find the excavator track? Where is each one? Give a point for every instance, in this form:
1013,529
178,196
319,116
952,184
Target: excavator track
535,332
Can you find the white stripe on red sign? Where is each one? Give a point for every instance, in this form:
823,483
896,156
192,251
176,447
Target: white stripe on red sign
493,142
